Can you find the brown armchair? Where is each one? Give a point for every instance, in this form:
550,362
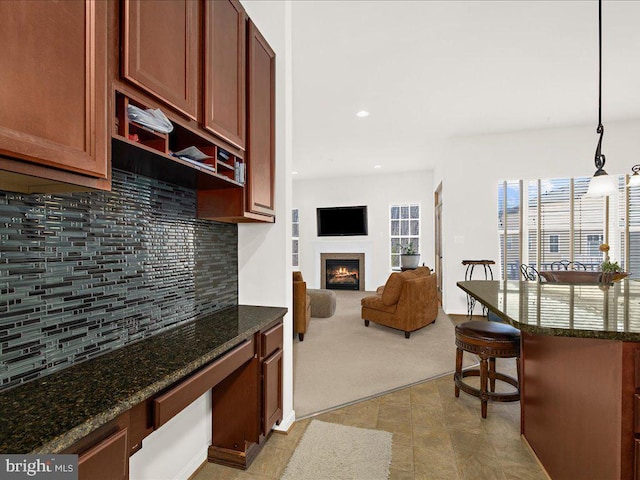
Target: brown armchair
407,302
301,306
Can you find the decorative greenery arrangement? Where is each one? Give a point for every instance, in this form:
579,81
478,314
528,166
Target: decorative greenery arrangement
409,250
610,267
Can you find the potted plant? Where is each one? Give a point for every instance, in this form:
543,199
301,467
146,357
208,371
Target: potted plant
409,258
611,272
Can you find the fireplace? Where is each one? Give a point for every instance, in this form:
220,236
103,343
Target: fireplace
343,274
342,271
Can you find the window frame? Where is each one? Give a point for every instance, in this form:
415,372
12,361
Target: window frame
295,240
399,240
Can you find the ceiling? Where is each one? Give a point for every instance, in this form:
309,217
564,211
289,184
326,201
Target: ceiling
430,70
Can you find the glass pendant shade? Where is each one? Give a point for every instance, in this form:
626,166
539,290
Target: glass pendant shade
602,185
634,180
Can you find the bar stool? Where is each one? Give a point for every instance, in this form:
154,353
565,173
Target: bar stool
488,340
468,275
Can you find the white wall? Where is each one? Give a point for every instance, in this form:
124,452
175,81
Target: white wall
377,192
473,166
177,449
264,274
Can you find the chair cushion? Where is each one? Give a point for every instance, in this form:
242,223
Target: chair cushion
488,330
422,271
374,302
392,288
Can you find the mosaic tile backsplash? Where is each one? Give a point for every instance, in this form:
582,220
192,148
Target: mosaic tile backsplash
85,273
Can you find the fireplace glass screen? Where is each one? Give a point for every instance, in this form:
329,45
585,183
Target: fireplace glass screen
343,274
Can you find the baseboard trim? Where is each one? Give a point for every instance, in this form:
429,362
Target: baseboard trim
286,423
533,453
194,465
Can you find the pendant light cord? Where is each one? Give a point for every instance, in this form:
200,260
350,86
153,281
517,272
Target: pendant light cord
599,157
599,63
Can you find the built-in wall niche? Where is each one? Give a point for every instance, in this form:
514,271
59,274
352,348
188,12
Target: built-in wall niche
142,150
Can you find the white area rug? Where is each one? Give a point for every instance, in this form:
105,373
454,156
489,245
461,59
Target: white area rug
328,451
341,361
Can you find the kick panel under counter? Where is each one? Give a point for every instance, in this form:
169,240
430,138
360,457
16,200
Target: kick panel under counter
108,405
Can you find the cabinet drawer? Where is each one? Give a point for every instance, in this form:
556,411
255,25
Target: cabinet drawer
108,460
179,397
272,340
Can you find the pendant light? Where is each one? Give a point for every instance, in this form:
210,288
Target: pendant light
601,184
634,179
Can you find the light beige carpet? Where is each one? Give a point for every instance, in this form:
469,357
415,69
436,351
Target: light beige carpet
339,452
341,361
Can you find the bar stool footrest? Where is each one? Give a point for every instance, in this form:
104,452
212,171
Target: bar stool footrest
492,396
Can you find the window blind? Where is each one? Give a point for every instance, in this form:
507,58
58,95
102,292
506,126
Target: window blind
543,222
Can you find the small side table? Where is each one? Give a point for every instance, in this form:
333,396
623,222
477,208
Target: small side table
468,274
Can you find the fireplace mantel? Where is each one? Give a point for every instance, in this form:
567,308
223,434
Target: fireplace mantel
349,244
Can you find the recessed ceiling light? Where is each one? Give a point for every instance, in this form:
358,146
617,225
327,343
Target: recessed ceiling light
294,173
377,166
362,114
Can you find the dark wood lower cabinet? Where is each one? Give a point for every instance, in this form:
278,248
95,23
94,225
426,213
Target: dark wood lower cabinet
272,391
271,356
256,390
246,385
578,405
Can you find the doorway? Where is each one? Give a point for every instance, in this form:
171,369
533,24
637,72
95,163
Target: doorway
438,234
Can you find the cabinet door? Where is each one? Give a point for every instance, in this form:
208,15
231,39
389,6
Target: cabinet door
272,391
224,70
53,84
161,50
261,124
108,460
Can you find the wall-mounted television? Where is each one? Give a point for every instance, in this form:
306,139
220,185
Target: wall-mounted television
342,221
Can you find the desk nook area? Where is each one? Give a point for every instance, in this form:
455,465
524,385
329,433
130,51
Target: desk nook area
580,362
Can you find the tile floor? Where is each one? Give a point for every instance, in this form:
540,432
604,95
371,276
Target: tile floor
435,436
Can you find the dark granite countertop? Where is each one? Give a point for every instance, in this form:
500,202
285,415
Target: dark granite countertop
50,414
563,309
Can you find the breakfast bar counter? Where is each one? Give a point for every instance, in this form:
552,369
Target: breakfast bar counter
49,414
580,383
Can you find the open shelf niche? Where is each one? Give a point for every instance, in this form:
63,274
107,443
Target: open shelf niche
142,150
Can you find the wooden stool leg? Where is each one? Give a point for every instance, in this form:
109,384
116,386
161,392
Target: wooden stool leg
483,385
458,368
492,374
518,374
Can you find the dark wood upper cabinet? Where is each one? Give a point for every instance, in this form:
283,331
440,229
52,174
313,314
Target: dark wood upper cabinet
224,70
53,101
161,50
260,158
256,201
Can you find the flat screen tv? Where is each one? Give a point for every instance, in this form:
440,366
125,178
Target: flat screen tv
342,221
